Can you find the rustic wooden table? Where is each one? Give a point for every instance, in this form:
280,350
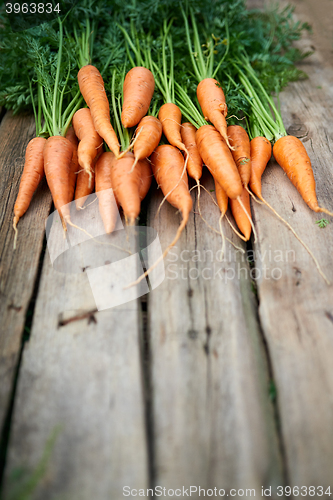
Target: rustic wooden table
206,381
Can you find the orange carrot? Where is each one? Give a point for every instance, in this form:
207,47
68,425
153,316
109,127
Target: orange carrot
241,152
146,176
170,116
241,219
85,183
89,139
214,108
261,152
58,153
221,198
168,163
129,184
218,158
107,202
149,133
194,164
138,90
92,88
291,155
74,167
33,171
168,167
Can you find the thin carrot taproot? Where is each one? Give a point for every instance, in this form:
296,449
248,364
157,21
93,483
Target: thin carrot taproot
33,172
92,88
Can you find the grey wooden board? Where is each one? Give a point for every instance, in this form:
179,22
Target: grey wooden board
213,420
296,311
81,371
18,270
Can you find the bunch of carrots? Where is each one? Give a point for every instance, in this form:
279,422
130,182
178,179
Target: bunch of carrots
114,135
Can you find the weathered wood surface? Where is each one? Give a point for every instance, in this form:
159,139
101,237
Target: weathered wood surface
296,311
213,421
81,370
18,270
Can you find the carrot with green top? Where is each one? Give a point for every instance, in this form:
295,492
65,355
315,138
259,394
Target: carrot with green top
209,91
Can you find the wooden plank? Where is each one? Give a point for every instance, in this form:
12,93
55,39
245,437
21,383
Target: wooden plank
213,421
296,310
81,370
18,270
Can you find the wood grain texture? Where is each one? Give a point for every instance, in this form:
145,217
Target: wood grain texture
18,270
80,372
213,421
296,310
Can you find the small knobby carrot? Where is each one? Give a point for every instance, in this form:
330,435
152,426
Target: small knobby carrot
194,164
170,116
241,151
33,171
92,88
148,133
168,166
241,219
107,202
291,155
138,90
130,184
261,152
214,108
89,139
74,166
85,183
58,153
